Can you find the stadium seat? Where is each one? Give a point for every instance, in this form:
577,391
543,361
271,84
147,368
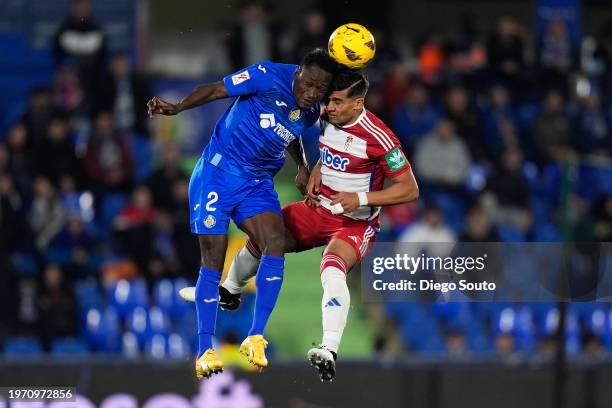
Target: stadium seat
129,345
126,295
157,346
159,322
22,347
143,157
137,322
102,329
178,347
111,206
69,347
163,295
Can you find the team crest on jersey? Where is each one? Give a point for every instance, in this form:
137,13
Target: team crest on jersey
295,114
348,142
210,221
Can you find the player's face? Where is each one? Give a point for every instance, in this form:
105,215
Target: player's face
310,85
341,109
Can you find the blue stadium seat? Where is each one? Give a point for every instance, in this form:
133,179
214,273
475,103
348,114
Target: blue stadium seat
126,295
157,346
111,206
102,329
163,295
509,233
143,157
159,322
129,345
69,347
178,348
137,322
187,326
22,347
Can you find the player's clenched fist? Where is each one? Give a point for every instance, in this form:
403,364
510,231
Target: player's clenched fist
159,106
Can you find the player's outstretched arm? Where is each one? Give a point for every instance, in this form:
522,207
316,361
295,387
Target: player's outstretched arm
199,96
403,190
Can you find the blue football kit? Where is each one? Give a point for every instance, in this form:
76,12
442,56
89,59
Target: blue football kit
234,177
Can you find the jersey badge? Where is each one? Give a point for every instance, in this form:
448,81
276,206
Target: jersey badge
240,77
210,221
295,114
348,143
395,159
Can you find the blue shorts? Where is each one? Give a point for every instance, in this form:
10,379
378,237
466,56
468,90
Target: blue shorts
216,196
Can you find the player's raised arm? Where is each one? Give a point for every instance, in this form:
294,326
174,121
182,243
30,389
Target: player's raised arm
199,96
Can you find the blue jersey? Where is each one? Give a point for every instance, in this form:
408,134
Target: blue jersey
250,138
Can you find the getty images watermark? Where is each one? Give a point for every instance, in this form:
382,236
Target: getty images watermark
513,272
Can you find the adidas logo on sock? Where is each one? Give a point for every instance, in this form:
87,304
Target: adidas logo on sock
332,302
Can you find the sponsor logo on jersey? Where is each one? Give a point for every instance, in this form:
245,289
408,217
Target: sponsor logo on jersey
210,221
240,77
267,120
332,160
348,142
295,114
261,68
395,159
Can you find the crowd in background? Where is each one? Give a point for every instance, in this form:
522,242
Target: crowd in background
488,131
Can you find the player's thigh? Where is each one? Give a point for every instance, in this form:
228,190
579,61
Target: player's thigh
212,198
357,236
267,231
303,226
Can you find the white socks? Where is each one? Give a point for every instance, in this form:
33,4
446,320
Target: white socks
335,306
243,268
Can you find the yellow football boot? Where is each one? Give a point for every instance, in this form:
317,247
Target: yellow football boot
254,348
208,364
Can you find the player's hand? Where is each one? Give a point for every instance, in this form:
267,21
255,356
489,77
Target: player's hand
301,179
349,201
159,106
313,188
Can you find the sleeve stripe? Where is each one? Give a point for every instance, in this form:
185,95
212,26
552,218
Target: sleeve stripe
382,138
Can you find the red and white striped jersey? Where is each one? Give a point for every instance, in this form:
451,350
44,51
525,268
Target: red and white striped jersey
356,158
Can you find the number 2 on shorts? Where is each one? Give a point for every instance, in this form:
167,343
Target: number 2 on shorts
213,197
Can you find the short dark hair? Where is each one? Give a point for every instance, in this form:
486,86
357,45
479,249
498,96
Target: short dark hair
356,82
321,59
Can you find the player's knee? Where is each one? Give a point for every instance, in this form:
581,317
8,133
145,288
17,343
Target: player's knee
273,244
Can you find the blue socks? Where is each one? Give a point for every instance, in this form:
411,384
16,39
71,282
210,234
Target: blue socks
268,282
206,302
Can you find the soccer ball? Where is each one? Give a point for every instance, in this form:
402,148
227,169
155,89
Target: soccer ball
352,45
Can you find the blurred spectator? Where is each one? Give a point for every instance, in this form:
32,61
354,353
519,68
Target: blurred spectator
505,345
556,56
458,109
21,156
5,159
442,158
431,58
11,219
552,130
506,51
465,55
593,131
125,93
314,34
56,156
253,37
47,215
68,91
134,227
108,160
8,292
430,229
74,244
395,88
592,347
478,227
456,345
38,114
603,219
81,42
497,115
57,305
166,175
187,247
415,118
510,197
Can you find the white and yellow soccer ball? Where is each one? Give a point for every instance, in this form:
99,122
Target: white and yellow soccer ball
352,45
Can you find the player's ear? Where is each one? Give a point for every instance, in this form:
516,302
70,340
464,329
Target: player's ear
359,103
